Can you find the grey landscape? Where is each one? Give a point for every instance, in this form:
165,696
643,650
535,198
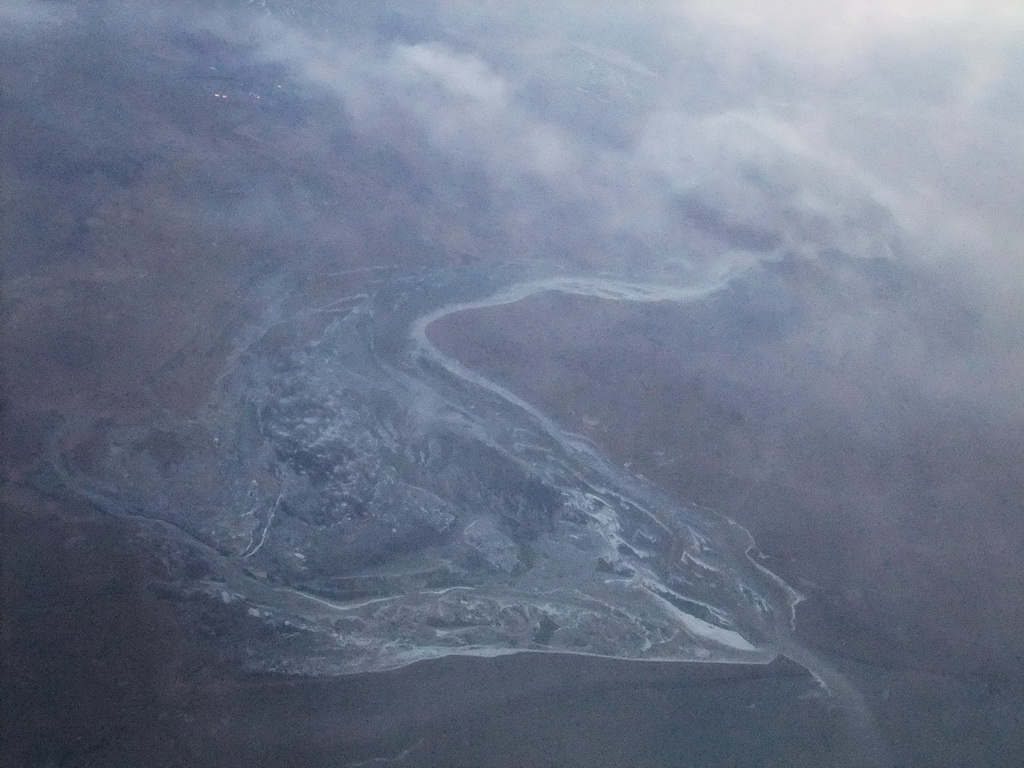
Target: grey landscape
485,384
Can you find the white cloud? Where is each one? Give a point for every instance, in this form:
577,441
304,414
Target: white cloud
834,35
459,74
846,104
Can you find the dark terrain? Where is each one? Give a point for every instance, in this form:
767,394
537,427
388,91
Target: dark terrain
844,410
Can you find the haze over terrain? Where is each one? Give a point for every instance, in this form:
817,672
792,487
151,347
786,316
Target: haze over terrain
435,383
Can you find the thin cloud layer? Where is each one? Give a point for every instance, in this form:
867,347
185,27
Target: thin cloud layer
695,135
842,33
716,135
922,97
783,118
442,99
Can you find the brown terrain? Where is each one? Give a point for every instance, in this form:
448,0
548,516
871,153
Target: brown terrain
125,284
906,545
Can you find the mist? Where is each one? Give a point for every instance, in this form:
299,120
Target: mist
374,354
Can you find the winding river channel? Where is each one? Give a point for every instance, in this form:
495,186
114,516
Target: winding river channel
374,502
775,614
